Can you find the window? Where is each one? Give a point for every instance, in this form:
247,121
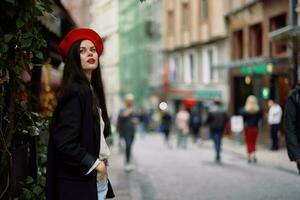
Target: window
277,23
171,23
185,17
192,65
208,60
178,70
210,63
237,45
255,43
203,9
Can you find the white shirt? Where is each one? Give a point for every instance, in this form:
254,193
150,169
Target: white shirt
104,151
275,114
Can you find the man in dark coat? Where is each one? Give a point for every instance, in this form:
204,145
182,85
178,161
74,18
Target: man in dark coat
292,125
217,118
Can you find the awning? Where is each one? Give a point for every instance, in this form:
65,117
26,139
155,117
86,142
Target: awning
285,33
251,62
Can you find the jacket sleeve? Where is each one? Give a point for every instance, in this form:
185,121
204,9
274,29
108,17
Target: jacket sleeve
293,145
66,135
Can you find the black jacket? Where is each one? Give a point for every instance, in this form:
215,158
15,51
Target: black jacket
251,119
292,124
74,144
217,119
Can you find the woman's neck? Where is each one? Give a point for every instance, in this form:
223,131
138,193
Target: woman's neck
88,76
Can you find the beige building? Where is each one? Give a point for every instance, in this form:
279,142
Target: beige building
79,11
194,40
101,11
258,65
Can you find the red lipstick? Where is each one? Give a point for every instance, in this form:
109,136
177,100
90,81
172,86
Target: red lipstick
91,60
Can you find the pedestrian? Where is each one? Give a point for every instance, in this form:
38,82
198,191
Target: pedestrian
166,123
182,125
77,151
274,119
195,122
142,125
292,125
252,116
127,121
217,119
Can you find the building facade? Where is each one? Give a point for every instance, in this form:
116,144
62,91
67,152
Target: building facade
258,65
79,11
108,29
194,41
140,51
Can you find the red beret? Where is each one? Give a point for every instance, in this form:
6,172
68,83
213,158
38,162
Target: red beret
79,34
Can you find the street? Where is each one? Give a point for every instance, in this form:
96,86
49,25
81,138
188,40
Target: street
163,173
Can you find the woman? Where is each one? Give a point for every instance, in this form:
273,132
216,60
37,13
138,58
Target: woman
182,123
252,116
77,150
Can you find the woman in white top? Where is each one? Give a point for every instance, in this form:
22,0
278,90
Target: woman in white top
182,125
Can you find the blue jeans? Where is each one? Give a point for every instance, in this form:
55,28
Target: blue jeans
217,137
274,136
102,188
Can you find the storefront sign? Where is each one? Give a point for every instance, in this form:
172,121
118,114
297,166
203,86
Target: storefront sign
254,69
265,93
208,93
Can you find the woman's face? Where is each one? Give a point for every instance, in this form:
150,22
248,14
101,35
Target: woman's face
88,56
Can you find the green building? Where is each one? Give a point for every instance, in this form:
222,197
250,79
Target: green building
133,62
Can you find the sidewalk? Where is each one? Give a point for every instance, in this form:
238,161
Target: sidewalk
124,184
278,159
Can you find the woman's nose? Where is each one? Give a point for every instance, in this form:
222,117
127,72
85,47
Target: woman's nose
90,53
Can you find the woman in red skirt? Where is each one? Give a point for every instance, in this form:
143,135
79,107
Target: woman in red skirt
252,116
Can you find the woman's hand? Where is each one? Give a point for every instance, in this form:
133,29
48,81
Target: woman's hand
101,171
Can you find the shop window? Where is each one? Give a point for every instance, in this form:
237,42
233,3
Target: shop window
192,64
171,23
255,43
277,23
207,66
185,17
210,61
237,45
203,8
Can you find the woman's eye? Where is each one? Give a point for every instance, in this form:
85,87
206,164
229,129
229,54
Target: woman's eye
81,50
93,50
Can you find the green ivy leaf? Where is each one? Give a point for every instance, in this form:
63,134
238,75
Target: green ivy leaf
27,194
27,35
7,37
26,42
3,48
37,12
37,189
43,43
29,180
39,55
19,23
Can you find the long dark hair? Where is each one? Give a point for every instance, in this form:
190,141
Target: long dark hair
73,73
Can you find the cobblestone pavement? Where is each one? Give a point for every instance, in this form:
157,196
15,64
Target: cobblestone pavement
163,173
